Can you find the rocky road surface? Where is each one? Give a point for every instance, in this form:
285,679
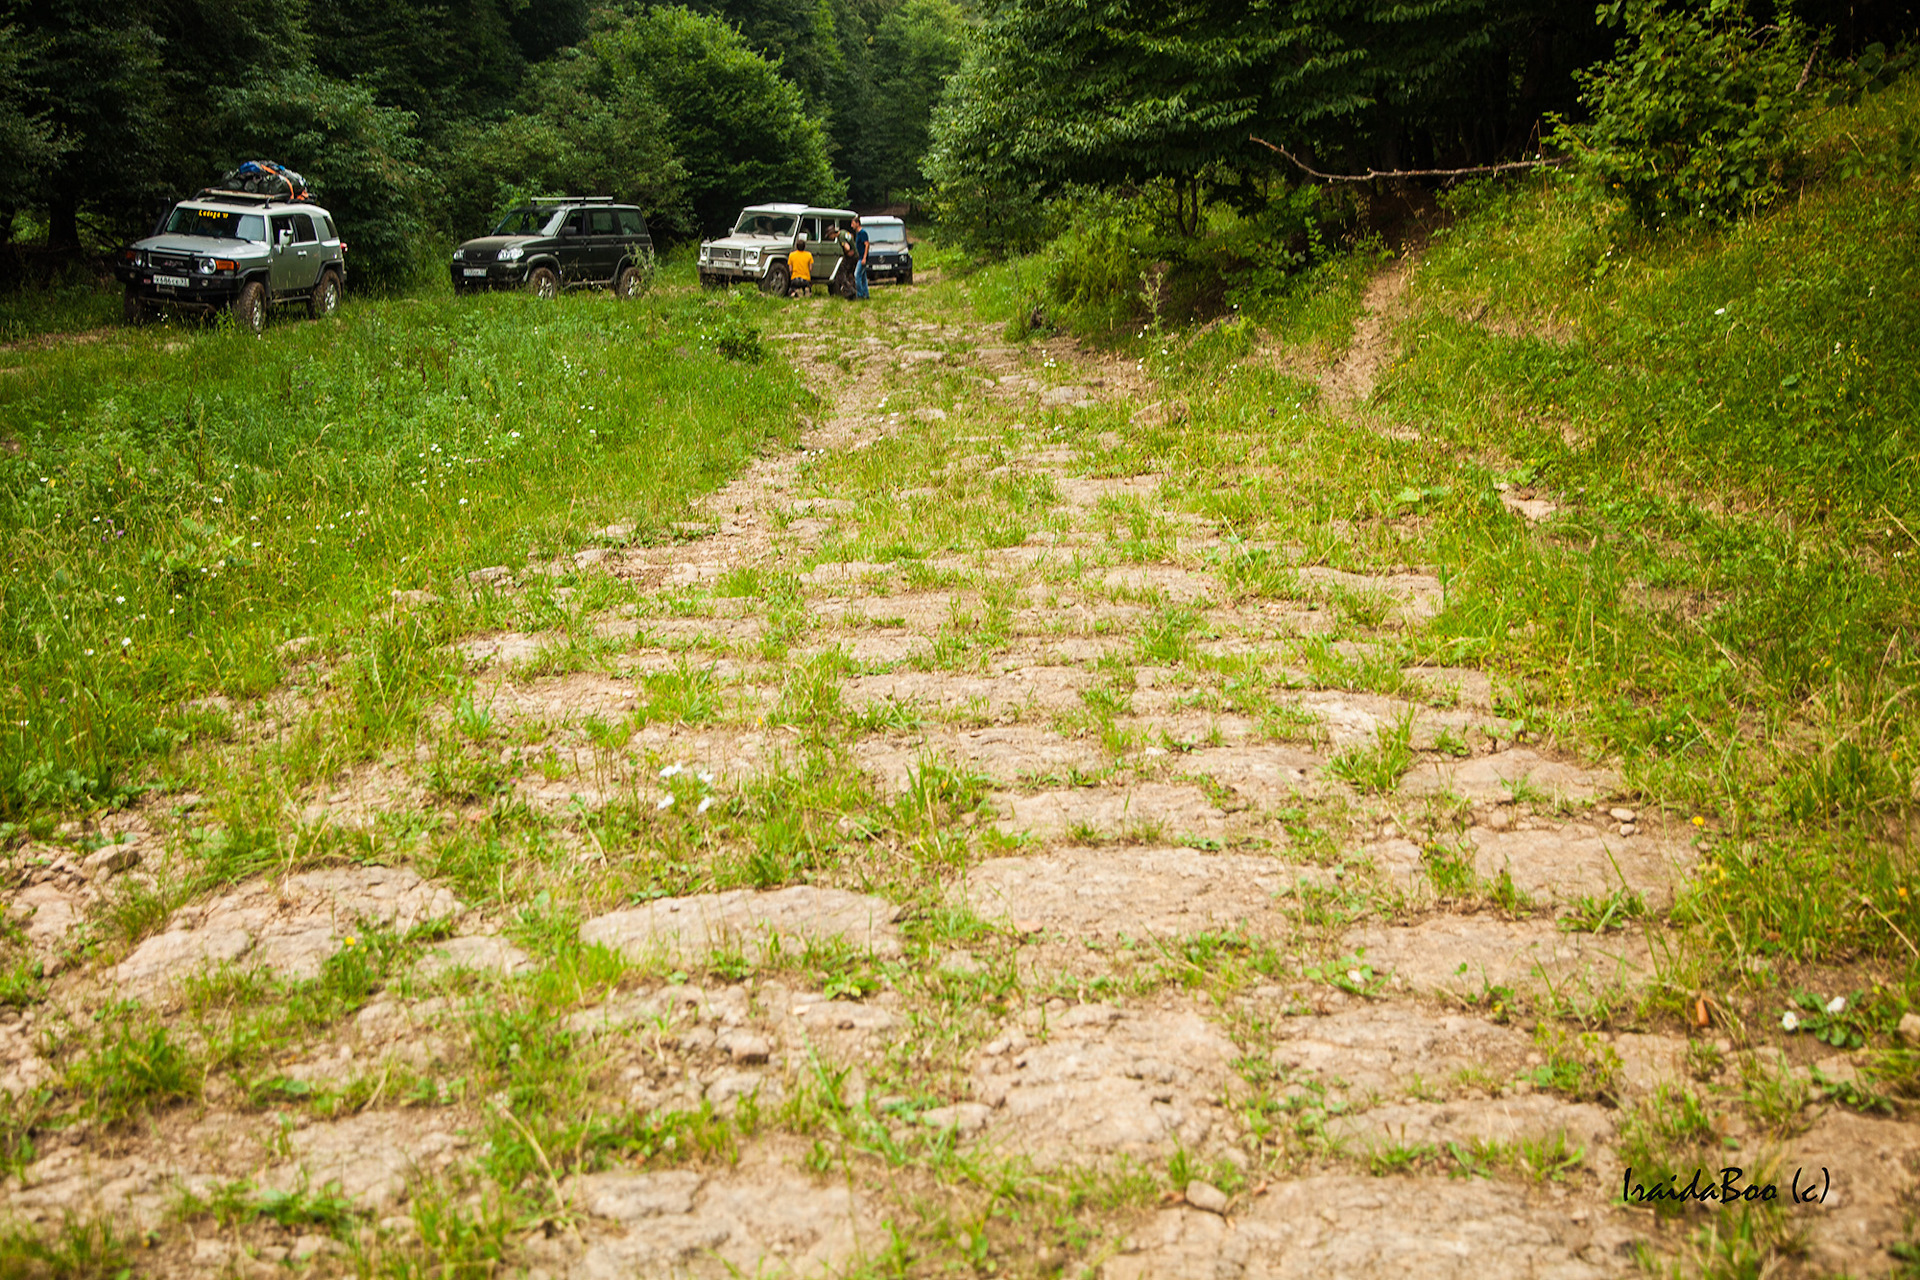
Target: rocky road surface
1209,1010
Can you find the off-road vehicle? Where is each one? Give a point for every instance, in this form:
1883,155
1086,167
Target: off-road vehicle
889,252
238,250
757,248
560,242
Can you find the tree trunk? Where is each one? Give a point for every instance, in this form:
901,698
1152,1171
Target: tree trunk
63,223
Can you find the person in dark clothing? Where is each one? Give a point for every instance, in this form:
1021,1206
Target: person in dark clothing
859,259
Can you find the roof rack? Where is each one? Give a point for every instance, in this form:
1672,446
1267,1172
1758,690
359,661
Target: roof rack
571,200
238,197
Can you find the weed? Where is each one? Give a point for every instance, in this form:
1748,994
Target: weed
1377,768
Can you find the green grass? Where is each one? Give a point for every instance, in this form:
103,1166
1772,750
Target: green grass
184,501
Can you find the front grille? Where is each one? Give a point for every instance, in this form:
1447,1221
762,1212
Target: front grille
726,255
169,262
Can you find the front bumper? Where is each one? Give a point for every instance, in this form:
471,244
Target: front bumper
887,268
489,275
193,290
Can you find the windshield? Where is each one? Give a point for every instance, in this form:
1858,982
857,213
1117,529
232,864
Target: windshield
216,223
882,234
764,224
530,222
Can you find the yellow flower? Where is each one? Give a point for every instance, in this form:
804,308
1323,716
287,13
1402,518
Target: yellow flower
348,941
1699,821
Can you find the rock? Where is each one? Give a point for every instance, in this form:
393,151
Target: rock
1204,1195
930,415
745,1046
1909,1029
965,1117
297,647
414,599
1622,815
632,1196
1159,414
492,576
482,953
730,1086
1069,396
747,918
110,860
312,1245
620,533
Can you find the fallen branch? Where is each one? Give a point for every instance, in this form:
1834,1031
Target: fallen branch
1372,174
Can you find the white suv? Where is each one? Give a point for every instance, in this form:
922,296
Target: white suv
757,248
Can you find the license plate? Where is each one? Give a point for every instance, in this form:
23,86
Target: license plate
177,282
476,271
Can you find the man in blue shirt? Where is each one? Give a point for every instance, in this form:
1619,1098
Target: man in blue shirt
859,259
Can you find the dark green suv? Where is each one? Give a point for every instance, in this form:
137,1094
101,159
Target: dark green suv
560,242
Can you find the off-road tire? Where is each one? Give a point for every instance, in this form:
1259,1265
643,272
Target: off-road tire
775,281
325,298
134,309
906,276
250,307
627,285
843,283
543,284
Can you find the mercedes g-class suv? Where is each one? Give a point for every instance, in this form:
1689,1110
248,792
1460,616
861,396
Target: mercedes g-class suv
889,252
242,251
762,237
560,242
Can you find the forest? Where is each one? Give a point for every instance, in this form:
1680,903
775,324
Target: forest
417,121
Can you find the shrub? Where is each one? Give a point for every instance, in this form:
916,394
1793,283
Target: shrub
1696,118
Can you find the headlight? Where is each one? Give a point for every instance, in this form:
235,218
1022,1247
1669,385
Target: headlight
512,253
751,257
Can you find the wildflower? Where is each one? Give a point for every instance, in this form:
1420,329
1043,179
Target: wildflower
673,771
1699,821
706,775
463,502
89,654
125,641
119,599
347,941
1720,311
705,805
664,802
1355,977
1837,1005
1789,1021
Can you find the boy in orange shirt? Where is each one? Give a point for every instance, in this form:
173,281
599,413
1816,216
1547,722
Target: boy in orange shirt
800,271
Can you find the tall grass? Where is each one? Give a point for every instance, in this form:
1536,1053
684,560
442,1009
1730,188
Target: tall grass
177,503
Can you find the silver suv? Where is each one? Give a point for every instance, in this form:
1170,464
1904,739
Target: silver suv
237,251
757,248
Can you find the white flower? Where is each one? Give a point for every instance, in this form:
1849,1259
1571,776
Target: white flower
1837,1005
673,771
706,776
89,653
705,805
1789,1021
119,599
1353,976
664,802
1720,311
463,502
125,641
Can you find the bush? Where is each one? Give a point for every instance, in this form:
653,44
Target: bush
1697,118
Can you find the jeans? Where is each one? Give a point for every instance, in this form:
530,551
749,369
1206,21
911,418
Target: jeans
860,279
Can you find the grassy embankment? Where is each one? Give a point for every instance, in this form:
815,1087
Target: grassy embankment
178,504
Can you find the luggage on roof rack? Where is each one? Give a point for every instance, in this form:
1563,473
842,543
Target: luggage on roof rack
265,178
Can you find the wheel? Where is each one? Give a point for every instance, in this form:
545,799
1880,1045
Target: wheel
906,274
627,283
325,298
250,308
134,309
775,281
543,284
843,283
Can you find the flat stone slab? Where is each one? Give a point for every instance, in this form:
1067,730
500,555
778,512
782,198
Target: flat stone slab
1386,1049
290,926
1150,810
1504,774
1493,1121
749,1221
1418,595
1468,954
1107,1081
1008,754
748,919
1140,892
480,953
1577,860
1265,773
372,1156
1337,1226
1025,690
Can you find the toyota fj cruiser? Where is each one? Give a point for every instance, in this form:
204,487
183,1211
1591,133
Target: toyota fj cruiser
757,248
239,250
560,242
